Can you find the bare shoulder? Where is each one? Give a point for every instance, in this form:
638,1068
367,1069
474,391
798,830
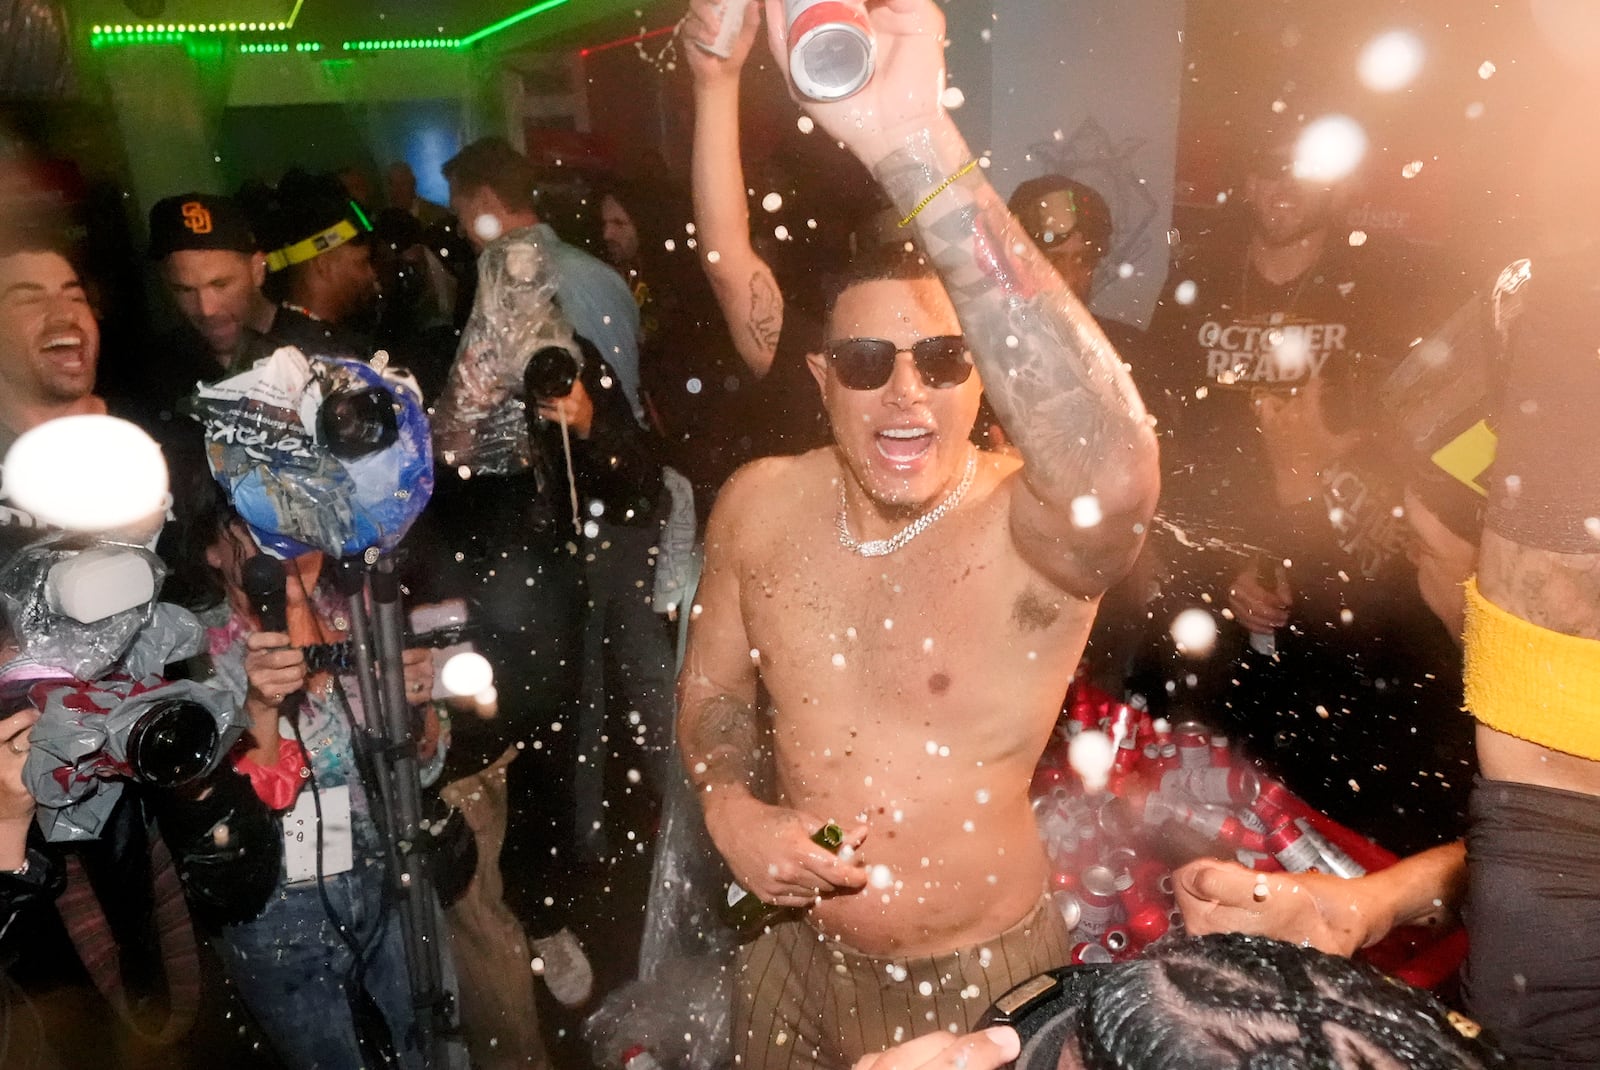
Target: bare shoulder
769,494
1557,591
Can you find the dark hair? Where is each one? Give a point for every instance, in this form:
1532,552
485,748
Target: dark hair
492,162
894,264
1244,1001
19,236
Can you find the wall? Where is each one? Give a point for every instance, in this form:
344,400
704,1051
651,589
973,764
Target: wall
1089,88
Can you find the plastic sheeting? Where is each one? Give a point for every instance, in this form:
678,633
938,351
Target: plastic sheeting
481,422
263,445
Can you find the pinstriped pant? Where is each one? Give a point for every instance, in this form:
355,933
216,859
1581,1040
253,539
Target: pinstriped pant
801,1002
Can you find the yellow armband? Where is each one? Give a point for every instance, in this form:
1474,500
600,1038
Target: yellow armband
1531,682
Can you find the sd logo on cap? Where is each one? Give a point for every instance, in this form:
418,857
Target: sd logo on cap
199,221
197,217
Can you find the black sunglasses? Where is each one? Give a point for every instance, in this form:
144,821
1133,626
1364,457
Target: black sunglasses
867,363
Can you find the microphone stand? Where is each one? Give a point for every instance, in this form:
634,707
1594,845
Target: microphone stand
377,640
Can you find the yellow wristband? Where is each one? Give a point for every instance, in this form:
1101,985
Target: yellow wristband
1530,682
946,184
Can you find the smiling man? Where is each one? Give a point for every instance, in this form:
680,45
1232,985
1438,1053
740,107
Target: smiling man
49,340
913,608
49,349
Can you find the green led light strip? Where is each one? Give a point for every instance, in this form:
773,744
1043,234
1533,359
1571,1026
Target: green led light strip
163,32
402,44
511,20
174,33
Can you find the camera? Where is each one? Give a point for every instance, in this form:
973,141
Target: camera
356,421
93,643
551,373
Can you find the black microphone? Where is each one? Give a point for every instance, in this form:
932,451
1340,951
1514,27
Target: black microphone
263,580
266,585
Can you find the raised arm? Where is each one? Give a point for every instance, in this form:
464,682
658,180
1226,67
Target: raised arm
720,735
744,284
1089,477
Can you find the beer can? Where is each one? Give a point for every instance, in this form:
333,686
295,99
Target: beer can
1070,907
1294,850
1340,863
1098,895
1221,752
831,47
1148,924
1213,785
1194,745
1089,953
731,12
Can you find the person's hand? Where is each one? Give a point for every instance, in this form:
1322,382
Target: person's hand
940,1050
1259,608
417,667
904,95
770,852
428,745
16,803
702,24
577,407
1320,910
274,670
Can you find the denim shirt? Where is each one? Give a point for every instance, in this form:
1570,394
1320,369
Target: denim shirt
600,306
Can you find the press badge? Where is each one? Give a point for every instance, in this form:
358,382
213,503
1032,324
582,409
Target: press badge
300,835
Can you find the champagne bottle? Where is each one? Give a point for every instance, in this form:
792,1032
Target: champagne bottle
748,914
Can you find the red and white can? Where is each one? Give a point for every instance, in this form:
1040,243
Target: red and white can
1338,861
1194,745
1089,953
832,49
1213,785
1097,892
731,12
1221,751
1294,850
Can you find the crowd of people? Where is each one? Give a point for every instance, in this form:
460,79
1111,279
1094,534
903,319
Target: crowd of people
830,546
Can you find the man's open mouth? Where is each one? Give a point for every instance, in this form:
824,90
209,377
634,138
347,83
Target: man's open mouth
903,445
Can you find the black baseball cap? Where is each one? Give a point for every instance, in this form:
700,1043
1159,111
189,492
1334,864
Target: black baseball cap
310,215
198,221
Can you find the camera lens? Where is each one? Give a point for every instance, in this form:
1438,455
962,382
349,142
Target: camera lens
355,423
172,743
550,374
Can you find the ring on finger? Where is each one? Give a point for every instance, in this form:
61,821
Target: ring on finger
16,749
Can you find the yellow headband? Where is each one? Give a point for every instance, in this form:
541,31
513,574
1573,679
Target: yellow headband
314,246
1531,682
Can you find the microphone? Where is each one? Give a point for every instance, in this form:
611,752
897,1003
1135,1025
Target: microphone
264,582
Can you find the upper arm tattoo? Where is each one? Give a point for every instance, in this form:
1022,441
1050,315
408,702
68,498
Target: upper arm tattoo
766,310
721,742
1557,591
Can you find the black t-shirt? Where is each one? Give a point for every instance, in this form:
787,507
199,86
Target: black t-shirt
1358,709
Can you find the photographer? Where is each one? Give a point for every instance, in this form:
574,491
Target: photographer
323,967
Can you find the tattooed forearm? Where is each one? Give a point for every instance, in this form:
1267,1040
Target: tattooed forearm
766,311
1058,386
1553,590
721,742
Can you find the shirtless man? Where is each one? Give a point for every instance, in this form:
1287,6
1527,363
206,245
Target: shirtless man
914,609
